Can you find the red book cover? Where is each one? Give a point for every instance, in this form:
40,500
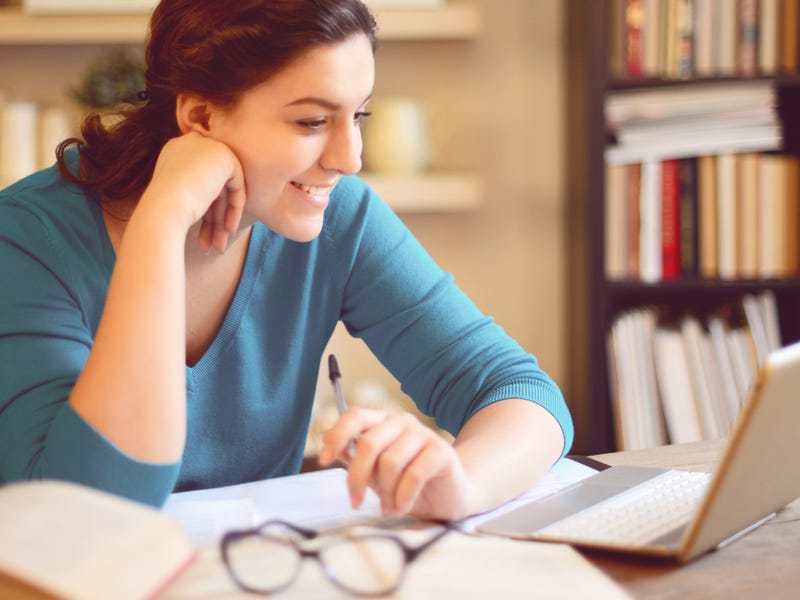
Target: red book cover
670,220
633,37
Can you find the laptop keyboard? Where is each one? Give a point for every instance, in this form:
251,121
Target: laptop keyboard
635,516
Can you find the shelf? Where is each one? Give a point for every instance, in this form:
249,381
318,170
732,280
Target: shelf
427,193
452,22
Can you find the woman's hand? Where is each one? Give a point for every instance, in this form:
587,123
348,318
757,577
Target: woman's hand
411,468
201,179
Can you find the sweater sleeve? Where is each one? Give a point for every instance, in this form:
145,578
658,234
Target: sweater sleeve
45,338
451,359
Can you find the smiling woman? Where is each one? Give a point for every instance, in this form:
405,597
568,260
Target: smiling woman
177,277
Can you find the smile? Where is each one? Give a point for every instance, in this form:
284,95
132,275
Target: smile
314,190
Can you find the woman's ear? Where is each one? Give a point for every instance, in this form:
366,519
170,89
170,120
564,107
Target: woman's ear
192,114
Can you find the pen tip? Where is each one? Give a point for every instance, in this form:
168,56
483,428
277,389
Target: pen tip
333,367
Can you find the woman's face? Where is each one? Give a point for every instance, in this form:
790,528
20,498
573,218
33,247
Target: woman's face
297,133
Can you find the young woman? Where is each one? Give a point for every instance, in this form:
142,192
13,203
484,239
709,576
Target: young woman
171,286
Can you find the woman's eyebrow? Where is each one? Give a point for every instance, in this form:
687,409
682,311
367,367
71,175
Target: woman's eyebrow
322,102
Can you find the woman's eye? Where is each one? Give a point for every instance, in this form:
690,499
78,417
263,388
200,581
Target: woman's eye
312,124
360,116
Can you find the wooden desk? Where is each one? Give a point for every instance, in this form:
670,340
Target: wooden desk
763,564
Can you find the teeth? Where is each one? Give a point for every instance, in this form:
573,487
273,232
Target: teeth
313,190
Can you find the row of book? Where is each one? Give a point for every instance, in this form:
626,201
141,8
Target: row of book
29,134
685,379
703,38
732,216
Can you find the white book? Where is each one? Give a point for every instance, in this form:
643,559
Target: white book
694,346
649,402
650,231
756,139
719,408
620,377
743,356
757,326
628,106
769,315
729,387
677,395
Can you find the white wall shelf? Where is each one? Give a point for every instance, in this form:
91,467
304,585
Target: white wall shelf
450,22
428,192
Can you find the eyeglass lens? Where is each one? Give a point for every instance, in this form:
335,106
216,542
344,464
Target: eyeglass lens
263,563
362,565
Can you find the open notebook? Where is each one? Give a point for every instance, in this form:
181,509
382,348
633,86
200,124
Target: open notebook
757,474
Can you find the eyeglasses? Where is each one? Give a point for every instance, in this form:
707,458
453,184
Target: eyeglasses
267,559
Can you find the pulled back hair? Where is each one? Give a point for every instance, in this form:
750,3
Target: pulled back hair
215,49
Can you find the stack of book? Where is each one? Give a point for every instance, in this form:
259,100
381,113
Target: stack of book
691,188
685,379
703,38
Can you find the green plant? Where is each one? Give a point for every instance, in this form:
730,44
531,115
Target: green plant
116,77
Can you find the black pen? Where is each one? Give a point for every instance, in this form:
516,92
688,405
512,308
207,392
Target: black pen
341,404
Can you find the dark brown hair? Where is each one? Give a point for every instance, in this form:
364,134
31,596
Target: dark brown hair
215,49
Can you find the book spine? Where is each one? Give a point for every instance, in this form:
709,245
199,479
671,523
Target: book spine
670,220
726,215
747,199
687,175
790,31
748,38
685,51
707,209
633,194
633,38
650,223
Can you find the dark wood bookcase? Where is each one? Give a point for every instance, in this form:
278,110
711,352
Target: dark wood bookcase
594,301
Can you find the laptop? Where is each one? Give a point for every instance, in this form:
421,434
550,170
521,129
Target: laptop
757,474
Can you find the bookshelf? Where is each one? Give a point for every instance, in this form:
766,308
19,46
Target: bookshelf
453,190
595,300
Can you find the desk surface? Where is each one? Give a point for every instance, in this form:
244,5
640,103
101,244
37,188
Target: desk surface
762,564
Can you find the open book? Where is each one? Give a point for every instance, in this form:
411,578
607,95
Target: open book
60,540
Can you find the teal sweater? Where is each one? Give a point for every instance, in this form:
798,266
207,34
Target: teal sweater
249,398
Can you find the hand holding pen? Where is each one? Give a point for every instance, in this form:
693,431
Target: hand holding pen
410,467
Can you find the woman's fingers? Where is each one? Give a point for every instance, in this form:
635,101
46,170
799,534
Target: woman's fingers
347,428
427,465
396,455
371,450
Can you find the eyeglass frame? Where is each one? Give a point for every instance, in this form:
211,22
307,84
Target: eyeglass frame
410,554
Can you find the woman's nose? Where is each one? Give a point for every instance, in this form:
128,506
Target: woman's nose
343,151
